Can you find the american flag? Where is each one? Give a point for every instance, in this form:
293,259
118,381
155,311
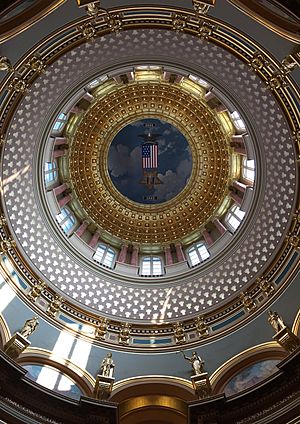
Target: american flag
149,155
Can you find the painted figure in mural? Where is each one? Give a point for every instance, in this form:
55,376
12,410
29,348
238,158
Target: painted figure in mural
276,321
196,362
107,366
29,327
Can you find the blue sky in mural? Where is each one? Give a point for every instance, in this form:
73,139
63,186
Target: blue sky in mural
251,375
125,162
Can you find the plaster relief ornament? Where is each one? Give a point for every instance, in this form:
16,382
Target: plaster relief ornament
258,61
201,327
29,327
266,286
36,64
101,329
179,333
124,334
248,302
54,306
36,290
6,245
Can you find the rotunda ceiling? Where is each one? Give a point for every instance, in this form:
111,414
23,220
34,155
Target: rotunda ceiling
262,249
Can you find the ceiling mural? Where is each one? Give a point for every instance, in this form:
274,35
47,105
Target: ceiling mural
149,161
251,375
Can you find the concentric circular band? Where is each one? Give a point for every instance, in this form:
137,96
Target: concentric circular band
174,219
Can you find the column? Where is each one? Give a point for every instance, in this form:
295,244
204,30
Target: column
219,226
76,109
82,228
123,253
180,253
168,255
209,95
88,97
221,108
239,186
94,239
207,237
58,153
237,142
60,140
238,200
240,151
135,256
64,200
60,189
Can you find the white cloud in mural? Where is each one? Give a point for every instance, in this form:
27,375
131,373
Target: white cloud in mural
121,162
173,182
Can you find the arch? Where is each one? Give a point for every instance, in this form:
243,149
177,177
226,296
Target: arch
287,26
296,325
5,334
37,356
235,365
150,399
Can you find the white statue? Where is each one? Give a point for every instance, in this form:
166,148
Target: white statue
107,366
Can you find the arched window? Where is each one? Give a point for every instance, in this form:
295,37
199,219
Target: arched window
248,169
198,253
60,122
66,220
104,255
53,379
151,266
237,120
234,217
97,82
50,172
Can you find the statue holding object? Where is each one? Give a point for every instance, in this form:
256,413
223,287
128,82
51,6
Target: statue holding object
196,362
